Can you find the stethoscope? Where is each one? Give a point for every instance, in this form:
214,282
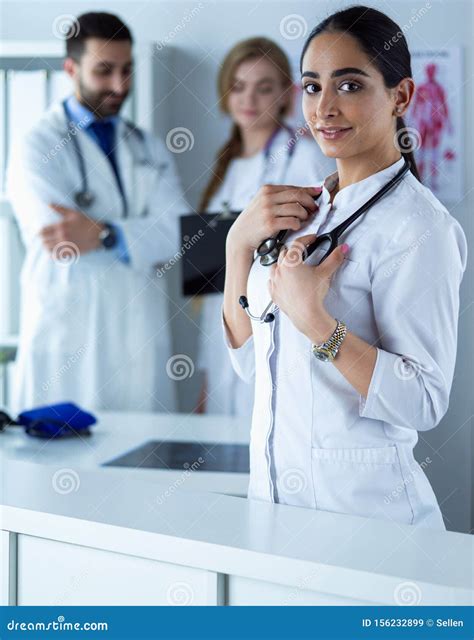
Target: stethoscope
269,249
85,198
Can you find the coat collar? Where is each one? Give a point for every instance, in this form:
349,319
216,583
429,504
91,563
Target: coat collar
353,196
79,113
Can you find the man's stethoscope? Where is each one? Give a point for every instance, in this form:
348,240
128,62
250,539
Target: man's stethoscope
269,249
85,198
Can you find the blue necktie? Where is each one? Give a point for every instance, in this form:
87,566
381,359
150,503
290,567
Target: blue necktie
104,131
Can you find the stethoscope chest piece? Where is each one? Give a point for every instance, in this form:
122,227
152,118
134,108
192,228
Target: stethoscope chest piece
269,249
84,199
269,259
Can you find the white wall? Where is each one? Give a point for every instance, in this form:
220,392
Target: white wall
187,97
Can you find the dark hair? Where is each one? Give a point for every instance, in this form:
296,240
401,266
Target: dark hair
383,41
105,26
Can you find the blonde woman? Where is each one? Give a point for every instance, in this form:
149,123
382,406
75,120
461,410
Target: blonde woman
255,89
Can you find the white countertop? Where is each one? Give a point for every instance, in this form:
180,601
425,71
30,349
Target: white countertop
344,555
58,490
117,433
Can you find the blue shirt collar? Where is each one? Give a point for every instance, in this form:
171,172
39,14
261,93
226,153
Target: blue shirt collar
81,115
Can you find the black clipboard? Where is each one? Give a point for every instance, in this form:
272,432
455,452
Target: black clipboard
203,237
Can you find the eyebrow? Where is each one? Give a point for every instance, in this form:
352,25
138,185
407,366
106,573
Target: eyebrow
337,73
111,65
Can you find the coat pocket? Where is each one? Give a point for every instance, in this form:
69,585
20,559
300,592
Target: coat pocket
364,482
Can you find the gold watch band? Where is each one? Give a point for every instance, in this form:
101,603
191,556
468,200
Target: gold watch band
327,351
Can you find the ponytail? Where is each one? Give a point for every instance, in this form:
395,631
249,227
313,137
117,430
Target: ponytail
232,149
405,143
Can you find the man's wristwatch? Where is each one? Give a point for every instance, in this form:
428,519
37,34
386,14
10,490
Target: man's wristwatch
327,351
108,236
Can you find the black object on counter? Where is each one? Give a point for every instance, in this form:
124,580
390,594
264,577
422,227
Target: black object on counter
166,454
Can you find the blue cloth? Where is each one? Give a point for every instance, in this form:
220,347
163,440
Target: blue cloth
121,248
103,132
56,420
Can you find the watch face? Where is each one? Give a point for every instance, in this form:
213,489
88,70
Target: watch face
109,241
322,354
108,238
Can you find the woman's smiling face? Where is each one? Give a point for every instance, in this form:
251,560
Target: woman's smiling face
347,106
257,95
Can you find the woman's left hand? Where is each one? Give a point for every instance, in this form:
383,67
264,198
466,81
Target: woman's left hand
299,289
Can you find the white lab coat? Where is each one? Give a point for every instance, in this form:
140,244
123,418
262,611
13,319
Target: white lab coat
228,393
315,441
95,330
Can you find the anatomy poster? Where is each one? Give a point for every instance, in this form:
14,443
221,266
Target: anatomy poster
435,120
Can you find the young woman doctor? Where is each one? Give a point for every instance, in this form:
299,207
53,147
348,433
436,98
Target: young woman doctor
256,90
339,435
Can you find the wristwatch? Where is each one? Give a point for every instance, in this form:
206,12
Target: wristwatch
327,351
108,236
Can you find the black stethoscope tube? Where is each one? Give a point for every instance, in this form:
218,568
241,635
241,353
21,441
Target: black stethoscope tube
274,244
270,248
83,198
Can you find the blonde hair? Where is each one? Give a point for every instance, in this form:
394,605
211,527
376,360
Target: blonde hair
250,49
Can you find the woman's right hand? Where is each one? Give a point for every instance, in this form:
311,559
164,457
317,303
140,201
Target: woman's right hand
274,208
